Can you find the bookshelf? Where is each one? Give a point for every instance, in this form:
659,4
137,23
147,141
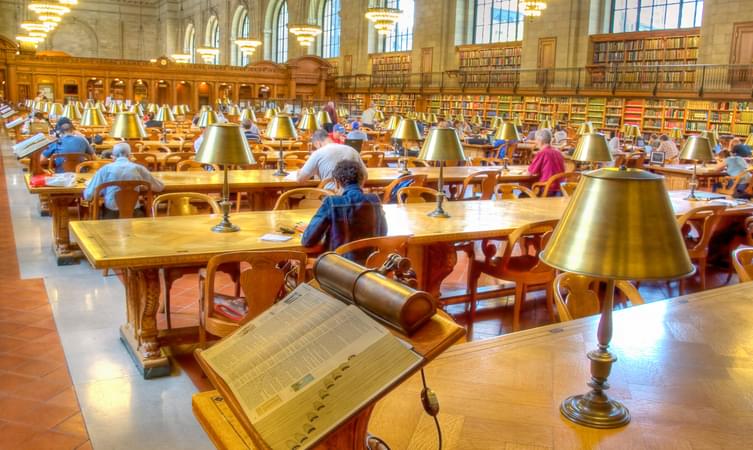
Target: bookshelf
390,64
486,64
641,49
400,104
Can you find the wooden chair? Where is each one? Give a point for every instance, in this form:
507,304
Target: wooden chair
404,181
381,247
416,194
294,163
635,160
491,161
568,188
323,183
147,160
297,154
732,190
301,198
507,191
91,166
543,189
126,197
190,165
582,295
700,222
525,269
373,159
488,182
172,160
265,277
70,161
742,260
415,162
749,230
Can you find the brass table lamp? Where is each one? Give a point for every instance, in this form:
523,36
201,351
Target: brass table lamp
248,114
270,113
749,140
233,111
378,116
442,144
507,132
206,118
696,149
164,115
431,118
517,122
676,134
545,124
225,144
407,130
281,128
477,120
93,118
592,148
393,123
152,108
308,123
585,127
71,111
619,225
712,136
323,118
127,126
56,109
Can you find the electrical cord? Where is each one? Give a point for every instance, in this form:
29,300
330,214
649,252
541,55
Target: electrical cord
430,403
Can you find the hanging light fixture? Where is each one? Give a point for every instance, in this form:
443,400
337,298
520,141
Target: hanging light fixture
182,58
208,54
533,8
247,46
34,40
68,2
31,26
383,17
49,8
305,33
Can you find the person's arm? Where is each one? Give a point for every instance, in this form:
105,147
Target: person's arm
96,180
50,150
157,185
535,167
308,170
319,224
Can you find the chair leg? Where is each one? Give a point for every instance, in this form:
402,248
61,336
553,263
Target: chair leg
202,322
550,301
472,287
702,272
520,295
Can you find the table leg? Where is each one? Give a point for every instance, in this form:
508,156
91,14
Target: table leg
432,264
66,252
140,334
44,205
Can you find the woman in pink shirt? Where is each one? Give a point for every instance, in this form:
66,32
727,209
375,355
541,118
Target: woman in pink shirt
548,160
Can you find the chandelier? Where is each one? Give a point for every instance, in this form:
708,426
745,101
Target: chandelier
384,18
39,29
533,8
182,58
68,2
208,54
305,33
247,46
49,8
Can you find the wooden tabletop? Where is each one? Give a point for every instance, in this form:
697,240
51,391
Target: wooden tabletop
164,241
708,170
683,370
264,178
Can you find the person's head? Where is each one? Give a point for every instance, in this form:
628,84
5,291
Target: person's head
663,138
338,129
121,150
543,137
66,128
63,121
320,138
39,116
733,142
331,104
150,116
443,124
246,124
346,173
355,125
739,150
557,127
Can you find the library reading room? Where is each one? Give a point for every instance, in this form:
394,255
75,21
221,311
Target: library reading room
523,224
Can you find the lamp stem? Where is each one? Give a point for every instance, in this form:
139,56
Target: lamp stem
595,409
225,226
280,163
693,182
439,211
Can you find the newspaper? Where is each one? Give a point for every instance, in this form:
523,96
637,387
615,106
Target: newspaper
32,144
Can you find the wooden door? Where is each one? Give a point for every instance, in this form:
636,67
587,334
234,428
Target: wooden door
427,56
741,54
546,59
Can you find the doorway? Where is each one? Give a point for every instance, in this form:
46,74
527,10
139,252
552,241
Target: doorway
742,55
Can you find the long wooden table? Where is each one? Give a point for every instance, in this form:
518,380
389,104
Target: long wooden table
677,176
261,183
683,371
141,247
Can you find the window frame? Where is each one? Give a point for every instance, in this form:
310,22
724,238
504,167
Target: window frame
401,42
280,35
518,30
697,15
329,44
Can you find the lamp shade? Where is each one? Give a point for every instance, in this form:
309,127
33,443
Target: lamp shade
407,130
507,132
324,118
676,133
619,225
177,110
164,115
496,122
206,118
137,109
477,120
93,117
248,114
592,147
697,148
127,125
712,136
281,127
224,144
71,111
517,122
393,123
585,127
378,116
749,140
113,108
442,144
56,109
545,124
308,123
431,118
269,113
233,111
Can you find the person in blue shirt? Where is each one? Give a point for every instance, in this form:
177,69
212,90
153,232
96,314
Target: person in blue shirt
69,142
347,217
735,165
250,130
356,134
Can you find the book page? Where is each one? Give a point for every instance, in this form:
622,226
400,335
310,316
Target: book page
32,144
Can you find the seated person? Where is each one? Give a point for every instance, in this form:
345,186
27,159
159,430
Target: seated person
338,134
356,134
347,217
122,169
250,130
666,145
735,164
325,158
68,143
560,135
35,124
443,124
548,160
531,133
614,144
151,123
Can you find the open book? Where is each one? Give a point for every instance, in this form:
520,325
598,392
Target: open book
32,144
306,366
6,111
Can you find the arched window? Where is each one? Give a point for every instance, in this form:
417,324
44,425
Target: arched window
242,29
400,38
498,21
189,42
213,36
645,15
330,29
280,54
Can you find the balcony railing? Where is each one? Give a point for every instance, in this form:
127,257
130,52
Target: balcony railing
694,80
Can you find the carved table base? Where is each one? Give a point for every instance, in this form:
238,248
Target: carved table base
67,253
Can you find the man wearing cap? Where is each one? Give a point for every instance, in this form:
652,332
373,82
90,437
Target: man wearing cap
356,134
338,134
69,143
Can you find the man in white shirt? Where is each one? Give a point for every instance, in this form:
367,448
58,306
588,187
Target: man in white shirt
614,144
367,116
322,162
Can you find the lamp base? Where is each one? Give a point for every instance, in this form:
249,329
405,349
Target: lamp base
280,173
404,171
225,227
595,410
439,212
692,196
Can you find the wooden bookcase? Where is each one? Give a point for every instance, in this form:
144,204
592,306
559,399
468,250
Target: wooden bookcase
390,64
477,61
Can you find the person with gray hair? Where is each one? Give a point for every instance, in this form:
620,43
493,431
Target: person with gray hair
548,161
322,162
121,169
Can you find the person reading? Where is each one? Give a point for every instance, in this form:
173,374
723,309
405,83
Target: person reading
68,143
548,161
347,217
